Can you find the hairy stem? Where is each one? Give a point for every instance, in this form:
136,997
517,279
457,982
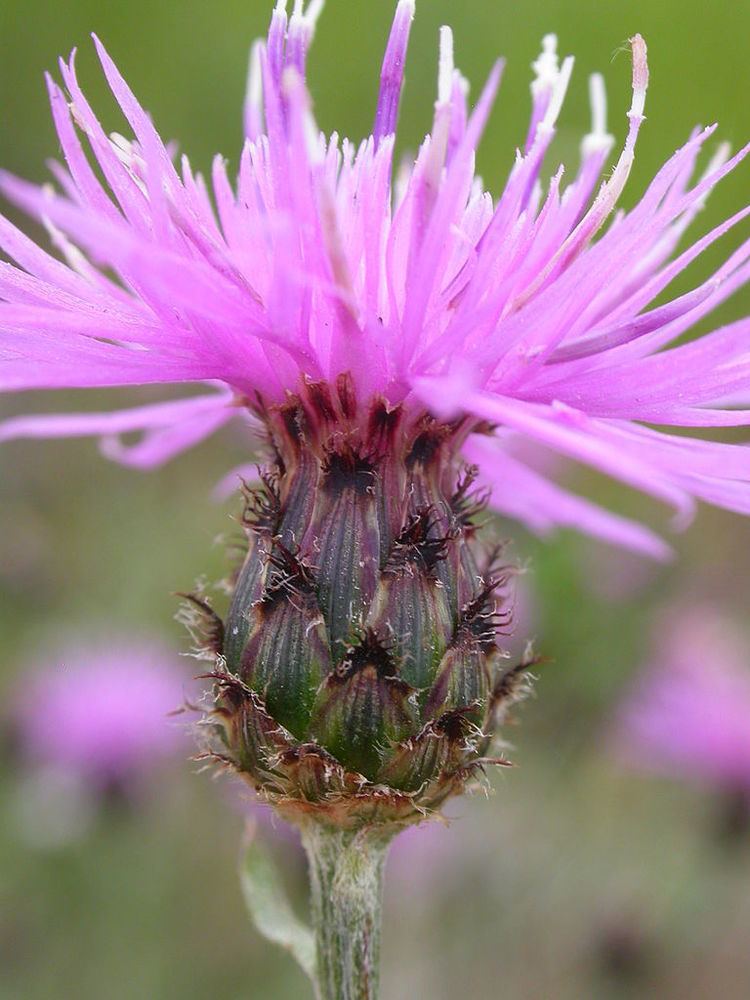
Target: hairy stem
346,879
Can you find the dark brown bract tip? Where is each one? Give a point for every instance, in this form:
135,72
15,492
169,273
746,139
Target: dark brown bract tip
288,574
204,625
320,403
262,504
418,543
466,504
481,619
383,424
428,443
369,650
347,396
345,467
457,725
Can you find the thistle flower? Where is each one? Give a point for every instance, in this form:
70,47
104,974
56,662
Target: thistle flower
99,711
391,338
688,714
88,722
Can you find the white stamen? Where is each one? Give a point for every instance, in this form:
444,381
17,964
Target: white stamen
546,66
123,147
313,12
719,158
598,97
255,76
558,95
446,67
316,149
640,76
401,181
307,17
598,138
610,191
125,151
477,189
280,7
314,140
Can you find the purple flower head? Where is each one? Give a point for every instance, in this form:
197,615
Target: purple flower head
689,713
531,313
100,711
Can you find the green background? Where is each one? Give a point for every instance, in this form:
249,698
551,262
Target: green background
573,879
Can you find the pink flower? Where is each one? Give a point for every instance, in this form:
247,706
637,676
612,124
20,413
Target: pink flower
532,312
101,711
423,854
689,713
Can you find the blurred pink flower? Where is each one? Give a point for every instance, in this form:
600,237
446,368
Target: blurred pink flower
688,714
420,855
100,711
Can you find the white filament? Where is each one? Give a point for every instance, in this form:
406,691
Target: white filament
446,66
314,11
546,67
308,17
255,76
559,90
640,77
598,138
598,97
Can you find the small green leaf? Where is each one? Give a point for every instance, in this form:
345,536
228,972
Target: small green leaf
269,906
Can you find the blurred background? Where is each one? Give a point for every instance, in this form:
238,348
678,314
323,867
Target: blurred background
614,860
